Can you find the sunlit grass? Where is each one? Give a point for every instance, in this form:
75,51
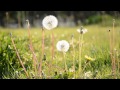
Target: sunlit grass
95,45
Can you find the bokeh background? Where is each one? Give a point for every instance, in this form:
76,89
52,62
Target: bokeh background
98,44
16,19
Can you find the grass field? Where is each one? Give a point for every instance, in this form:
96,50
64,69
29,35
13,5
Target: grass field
95,44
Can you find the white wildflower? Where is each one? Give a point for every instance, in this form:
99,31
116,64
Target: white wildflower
63,46
50,22
82,30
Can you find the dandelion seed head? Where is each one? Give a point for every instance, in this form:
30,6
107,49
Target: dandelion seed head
50,22
82,30
62,46
27,20
28,23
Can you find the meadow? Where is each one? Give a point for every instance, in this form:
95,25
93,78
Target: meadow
95,45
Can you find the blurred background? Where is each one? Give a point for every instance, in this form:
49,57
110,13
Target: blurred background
17,19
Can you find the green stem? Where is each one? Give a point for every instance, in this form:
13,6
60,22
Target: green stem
52,45
113,43
74,63
40,64
65,61
117,60
80,53
56,65
73,58
31,48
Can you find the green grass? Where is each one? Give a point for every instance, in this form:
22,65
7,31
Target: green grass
95,45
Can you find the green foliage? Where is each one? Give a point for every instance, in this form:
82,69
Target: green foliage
95,19
7,55
96,45
103,20
9,62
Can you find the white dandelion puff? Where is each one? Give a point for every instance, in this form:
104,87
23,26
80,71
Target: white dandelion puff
50,22
63,46
82,30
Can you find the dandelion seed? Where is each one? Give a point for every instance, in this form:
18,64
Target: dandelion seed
82,30
63,46
50,22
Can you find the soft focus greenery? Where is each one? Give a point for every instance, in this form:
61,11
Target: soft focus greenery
103,20
95,45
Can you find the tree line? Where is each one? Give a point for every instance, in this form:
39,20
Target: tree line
19,17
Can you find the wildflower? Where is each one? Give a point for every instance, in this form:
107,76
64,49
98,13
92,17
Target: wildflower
88,74
89,58
63,46
82,30
50,22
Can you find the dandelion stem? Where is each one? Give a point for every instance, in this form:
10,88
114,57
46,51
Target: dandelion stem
79,56
31,47
40,68
52,45
80,53
111,49
56,64
65,61
114,62
34,63
7,18
117,60
19,57
73,56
